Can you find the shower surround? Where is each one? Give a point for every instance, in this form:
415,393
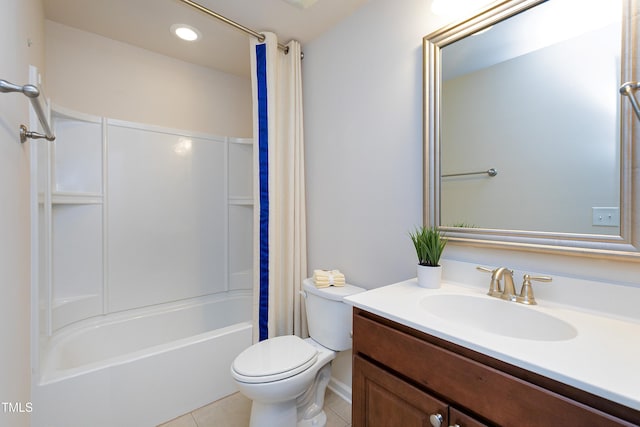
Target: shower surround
144,268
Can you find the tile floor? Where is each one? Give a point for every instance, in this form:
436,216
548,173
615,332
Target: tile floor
234,410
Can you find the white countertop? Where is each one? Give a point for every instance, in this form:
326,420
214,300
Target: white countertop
603,359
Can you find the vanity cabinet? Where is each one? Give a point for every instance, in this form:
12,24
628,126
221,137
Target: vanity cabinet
387,400
401,377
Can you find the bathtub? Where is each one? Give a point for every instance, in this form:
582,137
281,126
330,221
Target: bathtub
142,367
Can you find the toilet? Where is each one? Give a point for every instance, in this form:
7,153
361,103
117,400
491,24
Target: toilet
286,377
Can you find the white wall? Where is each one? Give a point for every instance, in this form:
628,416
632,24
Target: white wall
363,133
20,21
363,141
104,77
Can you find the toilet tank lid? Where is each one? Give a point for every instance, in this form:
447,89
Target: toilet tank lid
336,293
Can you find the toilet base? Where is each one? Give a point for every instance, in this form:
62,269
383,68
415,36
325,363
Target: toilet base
310,404
305,411
269,415
295,401
320,420
273,414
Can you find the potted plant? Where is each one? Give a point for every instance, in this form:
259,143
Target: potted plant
429,243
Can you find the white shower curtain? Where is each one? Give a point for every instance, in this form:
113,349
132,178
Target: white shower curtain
280,254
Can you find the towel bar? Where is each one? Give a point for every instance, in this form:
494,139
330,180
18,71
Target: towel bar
490,172
33,93
627,90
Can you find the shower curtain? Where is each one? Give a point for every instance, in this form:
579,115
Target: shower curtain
280,252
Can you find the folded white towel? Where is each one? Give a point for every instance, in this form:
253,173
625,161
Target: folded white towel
329,279
321,285
324,278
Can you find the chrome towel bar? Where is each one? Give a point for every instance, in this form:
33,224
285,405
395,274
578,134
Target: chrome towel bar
33,93
490,172
627,89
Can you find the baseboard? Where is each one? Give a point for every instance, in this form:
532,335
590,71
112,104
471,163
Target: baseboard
341,389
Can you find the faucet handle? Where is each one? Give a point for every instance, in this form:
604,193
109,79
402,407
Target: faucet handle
526,293
495,289
485,269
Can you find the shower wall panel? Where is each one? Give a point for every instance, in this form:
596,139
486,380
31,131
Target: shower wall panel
78,155
240,213
166,217
77,262
132,215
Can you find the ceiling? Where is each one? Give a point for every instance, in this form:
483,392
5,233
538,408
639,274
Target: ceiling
146,24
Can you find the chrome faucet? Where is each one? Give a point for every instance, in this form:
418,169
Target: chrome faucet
495,289
526,293
509,291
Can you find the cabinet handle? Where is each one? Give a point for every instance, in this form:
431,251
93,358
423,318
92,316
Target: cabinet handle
436,420
455,425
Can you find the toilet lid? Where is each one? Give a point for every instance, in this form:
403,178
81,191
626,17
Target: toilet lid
274,359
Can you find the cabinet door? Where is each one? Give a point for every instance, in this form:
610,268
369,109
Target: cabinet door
381,399
461,419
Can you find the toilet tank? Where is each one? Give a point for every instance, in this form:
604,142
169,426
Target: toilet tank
328,317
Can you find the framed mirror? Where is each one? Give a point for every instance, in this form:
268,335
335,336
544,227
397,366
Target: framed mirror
528,142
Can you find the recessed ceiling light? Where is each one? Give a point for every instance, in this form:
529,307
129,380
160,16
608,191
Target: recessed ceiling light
185,32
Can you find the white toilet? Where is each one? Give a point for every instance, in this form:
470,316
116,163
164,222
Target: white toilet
286,377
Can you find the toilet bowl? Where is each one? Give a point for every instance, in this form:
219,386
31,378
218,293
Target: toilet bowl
286,377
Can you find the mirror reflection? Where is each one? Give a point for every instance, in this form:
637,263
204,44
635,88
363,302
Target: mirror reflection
534,97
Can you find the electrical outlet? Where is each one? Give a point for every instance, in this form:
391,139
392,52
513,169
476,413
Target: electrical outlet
606,217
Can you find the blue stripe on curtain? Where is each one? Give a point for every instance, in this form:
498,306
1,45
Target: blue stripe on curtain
263,166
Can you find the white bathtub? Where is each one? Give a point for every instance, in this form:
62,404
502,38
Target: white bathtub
143,367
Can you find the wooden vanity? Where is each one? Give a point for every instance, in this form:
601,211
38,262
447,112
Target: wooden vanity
405,377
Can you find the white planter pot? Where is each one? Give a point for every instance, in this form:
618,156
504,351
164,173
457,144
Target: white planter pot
429,277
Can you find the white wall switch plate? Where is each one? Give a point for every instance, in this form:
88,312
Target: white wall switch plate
606,217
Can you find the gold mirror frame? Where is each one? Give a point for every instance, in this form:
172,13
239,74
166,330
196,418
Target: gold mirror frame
626,246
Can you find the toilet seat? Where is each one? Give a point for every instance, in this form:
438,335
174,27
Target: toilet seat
274,359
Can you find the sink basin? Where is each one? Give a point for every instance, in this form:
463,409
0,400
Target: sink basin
498,317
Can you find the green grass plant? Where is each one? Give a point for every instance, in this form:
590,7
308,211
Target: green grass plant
429,243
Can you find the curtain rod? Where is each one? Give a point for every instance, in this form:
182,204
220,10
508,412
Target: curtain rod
228,21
